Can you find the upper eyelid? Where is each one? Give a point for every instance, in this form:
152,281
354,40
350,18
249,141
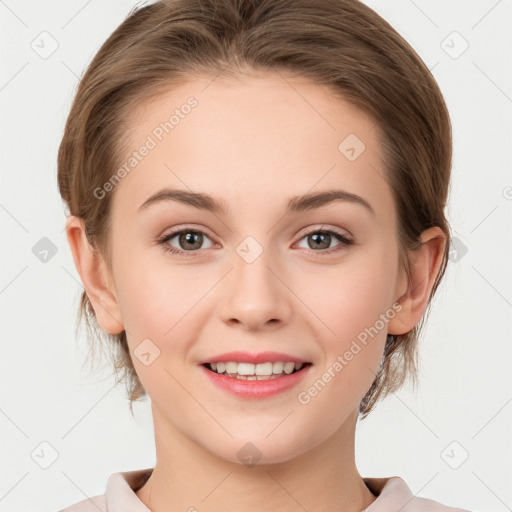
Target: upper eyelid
173,232
340,231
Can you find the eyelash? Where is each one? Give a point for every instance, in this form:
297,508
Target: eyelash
329,231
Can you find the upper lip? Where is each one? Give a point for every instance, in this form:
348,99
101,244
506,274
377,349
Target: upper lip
246,357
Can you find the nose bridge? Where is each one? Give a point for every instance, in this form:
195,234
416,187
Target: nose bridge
256,295
252,274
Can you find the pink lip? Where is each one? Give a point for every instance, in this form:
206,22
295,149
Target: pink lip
255,389
246,357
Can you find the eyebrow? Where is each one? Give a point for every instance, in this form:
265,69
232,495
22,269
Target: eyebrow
295,205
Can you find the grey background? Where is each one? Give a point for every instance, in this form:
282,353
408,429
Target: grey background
463,407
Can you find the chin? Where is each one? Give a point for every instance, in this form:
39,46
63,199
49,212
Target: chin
259,451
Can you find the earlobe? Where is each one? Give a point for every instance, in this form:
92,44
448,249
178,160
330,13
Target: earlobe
95,277
425,265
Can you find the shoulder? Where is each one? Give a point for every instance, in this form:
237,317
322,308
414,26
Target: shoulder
394,494
94,504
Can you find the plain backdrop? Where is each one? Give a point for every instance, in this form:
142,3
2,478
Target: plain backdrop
451,440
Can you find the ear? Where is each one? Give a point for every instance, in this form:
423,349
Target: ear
95,277
425,264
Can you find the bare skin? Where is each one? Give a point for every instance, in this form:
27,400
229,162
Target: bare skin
255,143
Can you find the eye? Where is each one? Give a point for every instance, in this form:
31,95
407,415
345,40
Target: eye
188,240
322,238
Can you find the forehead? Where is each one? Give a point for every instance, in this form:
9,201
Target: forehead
252,140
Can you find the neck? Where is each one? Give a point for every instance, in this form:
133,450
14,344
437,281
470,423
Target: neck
188,477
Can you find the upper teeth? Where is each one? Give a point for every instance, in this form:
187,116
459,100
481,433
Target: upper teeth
256,369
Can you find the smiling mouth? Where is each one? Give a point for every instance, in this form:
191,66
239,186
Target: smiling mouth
261,371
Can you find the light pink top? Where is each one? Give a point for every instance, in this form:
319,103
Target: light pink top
393,496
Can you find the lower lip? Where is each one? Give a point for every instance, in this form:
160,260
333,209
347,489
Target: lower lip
256,388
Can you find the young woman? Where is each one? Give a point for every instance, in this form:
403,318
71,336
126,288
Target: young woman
256,194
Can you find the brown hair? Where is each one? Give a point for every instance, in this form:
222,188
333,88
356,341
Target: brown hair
342,44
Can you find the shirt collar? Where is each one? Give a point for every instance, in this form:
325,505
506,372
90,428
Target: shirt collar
120,492
393,494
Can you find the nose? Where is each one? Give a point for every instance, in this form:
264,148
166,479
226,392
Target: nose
257,297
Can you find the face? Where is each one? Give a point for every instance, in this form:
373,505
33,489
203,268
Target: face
262,274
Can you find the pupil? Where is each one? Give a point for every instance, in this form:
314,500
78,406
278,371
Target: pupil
189,238
323,236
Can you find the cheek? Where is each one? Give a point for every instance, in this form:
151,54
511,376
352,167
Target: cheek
353,346
153,293
354,306
156,310
161,302
348,299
